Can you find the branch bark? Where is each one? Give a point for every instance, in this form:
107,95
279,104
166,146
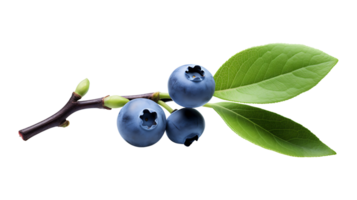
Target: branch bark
60,118
73,105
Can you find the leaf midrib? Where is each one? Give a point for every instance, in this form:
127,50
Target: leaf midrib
272,78
259,126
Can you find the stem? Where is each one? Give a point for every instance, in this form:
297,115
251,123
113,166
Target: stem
208,105
59,119
164,95
169,109
73,105
150,95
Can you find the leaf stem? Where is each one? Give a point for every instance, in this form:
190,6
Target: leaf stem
208,105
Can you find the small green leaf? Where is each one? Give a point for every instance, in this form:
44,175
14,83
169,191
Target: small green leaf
115,101
271,73
270,130
82,87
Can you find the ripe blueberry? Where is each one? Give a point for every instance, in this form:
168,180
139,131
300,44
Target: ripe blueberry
184,126
141,122
191,86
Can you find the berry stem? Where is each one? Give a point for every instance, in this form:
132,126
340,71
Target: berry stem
165,96
169,109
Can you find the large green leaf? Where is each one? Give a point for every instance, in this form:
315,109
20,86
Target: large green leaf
270,130
271,73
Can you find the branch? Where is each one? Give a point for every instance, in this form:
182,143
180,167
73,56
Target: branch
73,105
155,96
60,118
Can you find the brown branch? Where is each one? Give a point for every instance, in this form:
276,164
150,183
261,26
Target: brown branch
60,118
153,96
73,105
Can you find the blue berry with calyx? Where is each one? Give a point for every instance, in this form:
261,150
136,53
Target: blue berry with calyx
141,122
184,126
191,86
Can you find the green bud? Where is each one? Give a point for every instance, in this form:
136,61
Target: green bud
82,87
115,101
64,124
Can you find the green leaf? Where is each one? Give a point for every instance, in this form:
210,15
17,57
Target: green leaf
271,73
270,130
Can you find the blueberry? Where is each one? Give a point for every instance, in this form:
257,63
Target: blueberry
185,126
191,86
141,122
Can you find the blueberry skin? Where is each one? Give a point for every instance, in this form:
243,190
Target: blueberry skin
184,126
191,86
141,122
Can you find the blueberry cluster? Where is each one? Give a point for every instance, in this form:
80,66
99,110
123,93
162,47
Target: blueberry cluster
142,122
